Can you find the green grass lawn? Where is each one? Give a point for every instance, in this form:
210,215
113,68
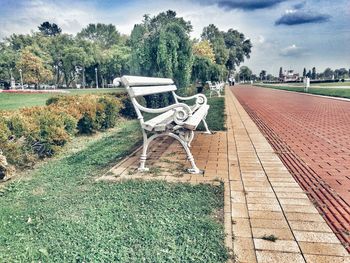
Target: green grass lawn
58,213
345,84
216,115
334,92
12,101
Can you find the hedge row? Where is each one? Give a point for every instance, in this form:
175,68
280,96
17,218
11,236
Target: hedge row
29,134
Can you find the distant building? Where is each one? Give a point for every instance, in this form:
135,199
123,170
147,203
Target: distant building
289,75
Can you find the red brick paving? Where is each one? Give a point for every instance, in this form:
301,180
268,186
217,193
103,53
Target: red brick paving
311,135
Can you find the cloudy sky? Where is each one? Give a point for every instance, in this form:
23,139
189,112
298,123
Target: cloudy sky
290,33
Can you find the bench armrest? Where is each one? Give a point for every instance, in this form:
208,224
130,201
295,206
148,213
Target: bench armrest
201,99
181,111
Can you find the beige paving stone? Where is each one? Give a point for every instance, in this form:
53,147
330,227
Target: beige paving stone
279,257
264,207
292,195
293,201
266,189
241,227
299,208
269,223
323,249
282,179
261,200
260,195
284,184
304,217
256,183
278,245
238,197
325,259
264,215
239,210
244,255
285,189
310,226
280,233
321,237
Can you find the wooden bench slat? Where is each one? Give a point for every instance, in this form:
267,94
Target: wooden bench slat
192,122
145,81
148,90
152,123
160,122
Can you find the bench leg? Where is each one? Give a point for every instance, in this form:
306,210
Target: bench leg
207,131
143,158
194,169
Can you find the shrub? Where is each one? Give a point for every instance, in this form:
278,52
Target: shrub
30,133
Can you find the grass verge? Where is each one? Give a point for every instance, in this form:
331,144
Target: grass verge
216,115
333,92
12,101
60,214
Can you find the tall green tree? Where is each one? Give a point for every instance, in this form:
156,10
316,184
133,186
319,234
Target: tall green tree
304,72
49,29
262,75
34,68
313,74
161,47
212,34
102,34
245,73
328,73
239,48
230,48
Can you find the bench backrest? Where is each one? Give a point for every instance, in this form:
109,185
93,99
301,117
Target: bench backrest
141,86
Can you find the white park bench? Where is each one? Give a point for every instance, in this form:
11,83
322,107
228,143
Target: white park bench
216,87
178,120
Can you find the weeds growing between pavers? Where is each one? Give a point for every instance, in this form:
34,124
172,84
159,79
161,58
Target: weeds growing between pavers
60,214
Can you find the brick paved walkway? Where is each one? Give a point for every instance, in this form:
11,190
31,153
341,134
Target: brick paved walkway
261,197
312,137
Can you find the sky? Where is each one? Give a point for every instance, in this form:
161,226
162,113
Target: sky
292,34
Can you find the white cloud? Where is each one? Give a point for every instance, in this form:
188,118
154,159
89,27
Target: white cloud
292,51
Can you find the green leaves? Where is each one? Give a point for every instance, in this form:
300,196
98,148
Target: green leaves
161,47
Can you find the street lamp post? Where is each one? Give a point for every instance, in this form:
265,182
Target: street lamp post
96,78
12,82
83,77
20,73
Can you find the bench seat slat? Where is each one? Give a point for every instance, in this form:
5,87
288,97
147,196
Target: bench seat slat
192,122
145,81
152,123
148,90
160,122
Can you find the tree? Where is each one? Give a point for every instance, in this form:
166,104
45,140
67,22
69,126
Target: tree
48,29
262,75
340,73
34,69
204,49
212,34
104,35
328,73
308,74
161,47
313,74
304,72
281,73
8,59
245,73
238,47
230,48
